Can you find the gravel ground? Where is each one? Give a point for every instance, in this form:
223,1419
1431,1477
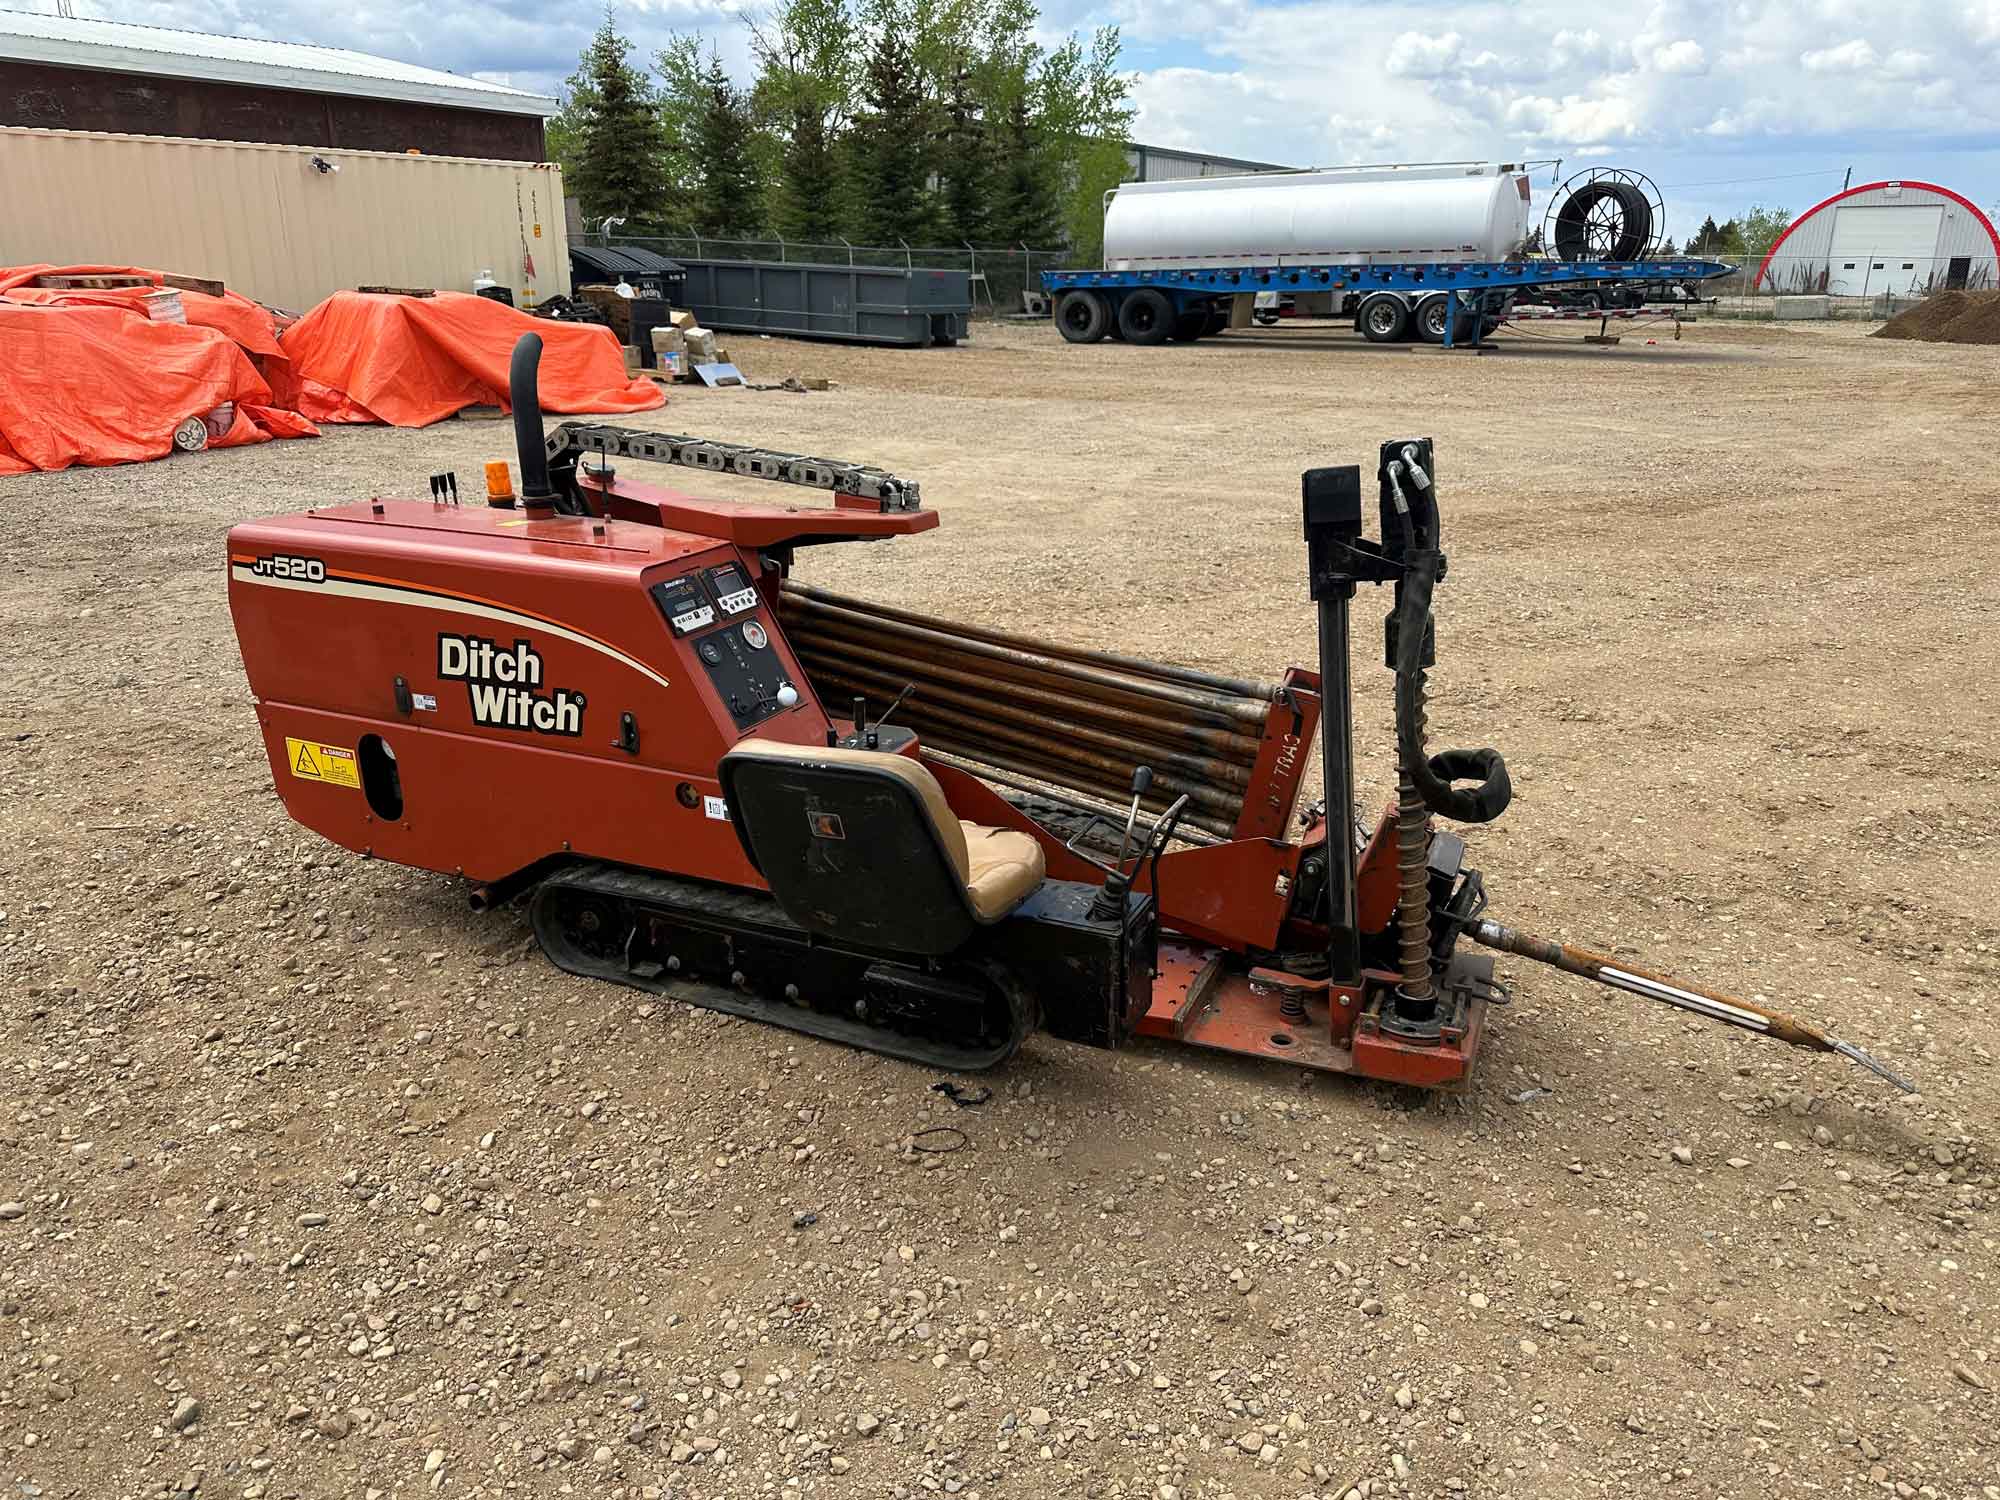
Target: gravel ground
314,1183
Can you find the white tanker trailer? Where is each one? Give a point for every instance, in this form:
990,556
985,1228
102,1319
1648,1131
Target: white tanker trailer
1356,216
1191,257
1436,251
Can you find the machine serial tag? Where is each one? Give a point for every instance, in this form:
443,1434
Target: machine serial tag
716,808
333,764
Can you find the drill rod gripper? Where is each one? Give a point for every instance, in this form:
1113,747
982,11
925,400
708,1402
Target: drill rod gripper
1726,1008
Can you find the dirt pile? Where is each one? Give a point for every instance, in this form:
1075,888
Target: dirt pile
1948,318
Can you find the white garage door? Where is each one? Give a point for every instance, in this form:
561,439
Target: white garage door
1883,247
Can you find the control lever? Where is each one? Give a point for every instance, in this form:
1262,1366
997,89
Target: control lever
870,735
890,712
1109,904
1142,782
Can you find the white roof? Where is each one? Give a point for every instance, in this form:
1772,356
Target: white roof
117,47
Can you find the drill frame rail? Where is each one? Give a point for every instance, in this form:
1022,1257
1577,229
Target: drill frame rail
570,442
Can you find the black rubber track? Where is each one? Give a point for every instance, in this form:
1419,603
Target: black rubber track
759,938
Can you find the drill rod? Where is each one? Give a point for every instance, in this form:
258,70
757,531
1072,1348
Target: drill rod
1726,1008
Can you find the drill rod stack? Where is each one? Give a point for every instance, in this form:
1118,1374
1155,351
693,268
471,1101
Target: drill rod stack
1082,720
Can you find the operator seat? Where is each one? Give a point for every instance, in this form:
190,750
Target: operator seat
861,846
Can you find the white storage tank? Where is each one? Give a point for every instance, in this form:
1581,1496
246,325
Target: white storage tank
1475,212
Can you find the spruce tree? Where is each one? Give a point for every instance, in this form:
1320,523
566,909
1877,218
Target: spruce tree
804,93
1026,210
731,196
965,168
892,154
613,128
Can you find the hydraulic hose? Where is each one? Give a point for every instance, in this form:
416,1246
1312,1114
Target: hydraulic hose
1434,775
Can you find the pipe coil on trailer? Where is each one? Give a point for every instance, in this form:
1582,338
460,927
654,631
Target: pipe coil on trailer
1608,215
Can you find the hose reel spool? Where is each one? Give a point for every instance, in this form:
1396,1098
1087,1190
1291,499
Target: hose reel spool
1606,214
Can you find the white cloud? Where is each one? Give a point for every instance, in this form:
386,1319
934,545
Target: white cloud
1684,58
1579,49
1904,62
1854,56
1573,118
1416,55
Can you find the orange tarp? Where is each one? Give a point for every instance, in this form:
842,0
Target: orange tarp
101,385
238,317
411,361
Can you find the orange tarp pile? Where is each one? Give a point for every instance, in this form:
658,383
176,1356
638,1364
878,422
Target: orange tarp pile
411,361
87,378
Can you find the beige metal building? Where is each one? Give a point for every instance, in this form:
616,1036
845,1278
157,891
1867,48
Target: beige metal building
287,225
288,171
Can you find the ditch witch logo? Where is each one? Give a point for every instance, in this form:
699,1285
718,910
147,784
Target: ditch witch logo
501,684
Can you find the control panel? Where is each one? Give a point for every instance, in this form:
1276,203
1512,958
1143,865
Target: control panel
734,594
713,611
684,604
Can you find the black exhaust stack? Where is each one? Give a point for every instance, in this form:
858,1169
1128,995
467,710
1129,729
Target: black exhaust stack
524,394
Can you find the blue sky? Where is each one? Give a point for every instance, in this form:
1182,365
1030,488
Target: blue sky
1724,103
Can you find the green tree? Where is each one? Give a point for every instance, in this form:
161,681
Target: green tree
681,99
1025,213
965,166
729,202
804,95
892,149
607,136
1762,226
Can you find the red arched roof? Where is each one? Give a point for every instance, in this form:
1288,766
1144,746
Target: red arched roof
1869,187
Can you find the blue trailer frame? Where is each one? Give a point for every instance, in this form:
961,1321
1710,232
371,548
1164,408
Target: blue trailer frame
1463,280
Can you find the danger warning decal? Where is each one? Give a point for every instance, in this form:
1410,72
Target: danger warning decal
502,685
312,761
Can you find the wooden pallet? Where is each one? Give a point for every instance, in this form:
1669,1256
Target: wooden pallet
104,281
59,282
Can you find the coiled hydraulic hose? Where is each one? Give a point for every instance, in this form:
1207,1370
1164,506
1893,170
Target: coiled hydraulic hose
1433,775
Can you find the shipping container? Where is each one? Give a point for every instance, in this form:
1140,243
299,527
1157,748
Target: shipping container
286,225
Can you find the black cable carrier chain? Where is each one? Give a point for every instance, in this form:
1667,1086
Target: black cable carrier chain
572,440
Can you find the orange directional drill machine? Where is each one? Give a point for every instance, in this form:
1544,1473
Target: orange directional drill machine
614,700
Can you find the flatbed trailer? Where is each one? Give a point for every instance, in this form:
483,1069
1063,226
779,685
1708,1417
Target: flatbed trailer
1450,303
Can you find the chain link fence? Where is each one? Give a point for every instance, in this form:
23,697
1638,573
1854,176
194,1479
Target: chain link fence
1000,273
1875,283
1884,275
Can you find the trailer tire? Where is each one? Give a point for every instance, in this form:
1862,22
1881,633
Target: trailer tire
1217,322
1082,317
1383,319
1146,317
1190,326
1428,323
1473,327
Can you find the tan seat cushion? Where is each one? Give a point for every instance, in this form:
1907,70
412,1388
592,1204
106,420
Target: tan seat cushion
1005,867
999,867
912,772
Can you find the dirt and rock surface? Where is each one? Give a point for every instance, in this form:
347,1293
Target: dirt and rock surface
313,1183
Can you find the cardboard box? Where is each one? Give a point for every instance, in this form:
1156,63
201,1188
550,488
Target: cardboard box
700,343
631,359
